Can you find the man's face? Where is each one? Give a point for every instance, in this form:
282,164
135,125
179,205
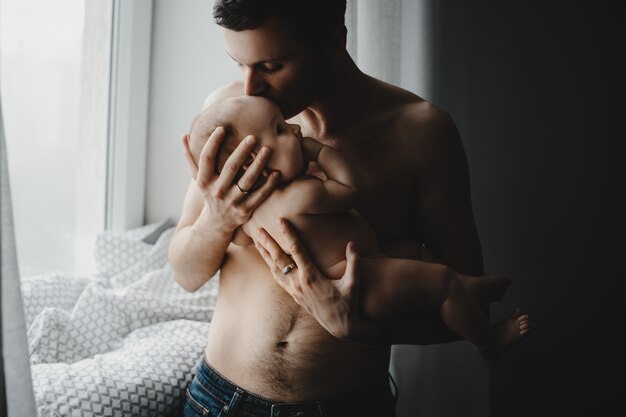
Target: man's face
278,67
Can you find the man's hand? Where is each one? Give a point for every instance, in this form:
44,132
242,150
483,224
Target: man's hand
335,304
229,202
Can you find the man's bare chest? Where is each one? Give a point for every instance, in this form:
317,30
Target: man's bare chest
388,184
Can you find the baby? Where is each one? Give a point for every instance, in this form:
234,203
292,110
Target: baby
323,210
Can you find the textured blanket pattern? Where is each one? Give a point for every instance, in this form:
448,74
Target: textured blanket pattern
125,342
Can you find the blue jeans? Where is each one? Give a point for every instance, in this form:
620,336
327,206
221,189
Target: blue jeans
210,394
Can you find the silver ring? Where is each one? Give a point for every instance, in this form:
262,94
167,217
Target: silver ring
241,189
288,269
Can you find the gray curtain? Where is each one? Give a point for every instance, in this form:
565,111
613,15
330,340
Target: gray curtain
399,42
16,397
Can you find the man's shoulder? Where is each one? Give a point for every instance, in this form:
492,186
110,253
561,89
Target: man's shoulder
422,117
232,89
407,108
404,112
421,133
424,127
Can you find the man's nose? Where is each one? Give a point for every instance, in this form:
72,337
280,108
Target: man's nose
254,83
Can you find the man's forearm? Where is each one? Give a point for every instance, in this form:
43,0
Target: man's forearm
196,252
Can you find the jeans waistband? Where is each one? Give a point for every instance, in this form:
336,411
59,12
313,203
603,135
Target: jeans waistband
364,401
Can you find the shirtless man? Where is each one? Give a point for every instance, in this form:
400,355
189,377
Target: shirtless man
260,338
324,211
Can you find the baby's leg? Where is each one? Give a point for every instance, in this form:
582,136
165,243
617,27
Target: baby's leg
406,291
485,289
463,315
408,249
507,334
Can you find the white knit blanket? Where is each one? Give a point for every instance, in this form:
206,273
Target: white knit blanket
124,342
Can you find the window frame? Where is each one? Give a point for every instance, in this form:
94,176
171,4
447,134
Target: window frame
128,114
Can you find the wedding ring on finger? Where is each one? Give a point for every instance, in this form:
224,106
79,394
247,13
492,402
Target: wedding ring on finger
241,189
288,269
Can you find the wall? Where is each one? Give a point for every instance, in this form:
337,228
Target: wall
538,94
186,47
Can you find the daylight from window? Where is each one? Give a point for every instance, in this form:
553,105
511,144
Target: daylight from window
41,49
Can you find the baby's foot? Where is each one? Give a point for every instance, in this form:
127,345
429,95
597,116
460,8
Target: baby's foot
508,333
486,289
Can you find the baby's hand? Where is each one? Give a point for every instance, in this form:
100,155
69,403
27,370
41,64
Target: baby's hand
311,149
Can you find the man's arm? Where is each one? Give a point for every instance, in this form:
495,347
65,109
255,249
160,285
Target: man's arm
198,245
214,208
444,206
445,224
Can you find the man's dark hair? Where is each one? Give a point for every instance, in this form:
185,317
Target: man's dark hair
312,21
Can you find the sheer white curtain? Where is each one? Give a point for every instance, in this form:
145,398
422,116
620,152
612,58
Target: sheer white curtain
15,379
399,41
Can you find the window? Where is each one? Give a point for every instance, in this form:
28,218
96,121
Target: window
54,77
74,81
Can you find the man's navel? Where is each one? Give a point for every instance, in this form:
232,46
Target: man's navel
281,346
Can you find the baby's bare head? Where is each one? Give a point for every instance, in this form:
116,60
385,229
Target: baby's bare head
224,113
248,115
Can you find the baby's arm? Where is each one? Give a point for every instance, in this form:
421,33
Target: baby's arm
337,192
